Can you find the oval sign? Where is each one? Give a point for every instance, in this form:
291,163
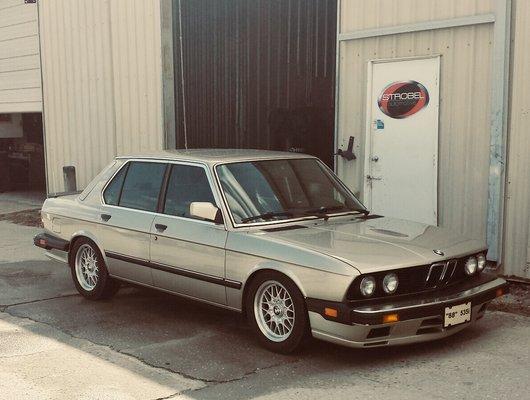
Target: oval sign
403,99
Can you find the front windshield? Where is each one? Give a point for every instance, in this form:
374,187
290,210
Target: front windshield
258,191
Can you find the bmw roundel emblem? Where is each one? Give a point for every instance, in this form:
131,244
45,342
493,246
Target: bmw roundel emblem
439,252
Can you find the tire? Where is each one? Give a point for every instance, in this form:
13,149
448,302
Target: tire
290,333
91,277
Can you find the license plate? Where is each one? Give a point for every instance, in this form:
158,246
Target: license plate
457,314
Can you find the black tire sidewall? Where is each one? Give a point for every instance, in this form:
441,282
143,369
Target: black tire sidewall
301,324
101,289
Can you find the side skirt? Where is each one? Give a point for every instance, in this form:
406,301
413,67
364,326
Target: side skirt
177,294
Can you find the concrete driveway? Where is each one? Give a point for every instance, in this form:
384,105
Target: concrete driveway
145,345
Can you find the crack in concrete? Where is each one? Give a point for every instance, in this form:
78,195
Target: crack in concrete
4,307
245,376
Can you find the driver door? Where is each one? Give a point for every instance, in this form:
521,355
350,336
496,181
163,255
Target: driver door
188,254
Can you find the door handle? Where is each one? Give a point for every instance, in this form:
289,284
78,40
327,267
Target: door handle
160,227
373,178
105,217
348,153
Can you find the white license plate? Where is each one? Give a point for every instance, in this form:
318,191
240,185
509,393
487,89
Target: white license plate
457,314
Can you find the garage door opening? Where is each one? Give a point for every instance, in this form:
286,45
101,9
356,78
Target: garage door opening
22,169
255,74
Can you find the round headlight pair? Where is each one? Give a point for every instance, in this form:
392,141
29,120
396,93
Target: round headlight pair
390,284
474,264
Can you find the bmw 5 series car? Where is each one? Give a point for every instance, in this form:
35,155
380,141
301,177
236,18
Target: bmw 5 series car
276,236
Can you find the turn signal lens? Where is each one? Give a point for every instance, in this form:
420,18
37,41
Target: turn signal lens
390,318
471,266
481,262
367,286
499,292
331,312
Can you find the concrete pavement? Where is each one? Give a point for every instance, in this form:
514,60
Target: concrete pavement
147,345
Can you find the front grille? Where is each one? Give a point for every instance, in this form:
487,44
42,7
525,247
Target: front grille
415,279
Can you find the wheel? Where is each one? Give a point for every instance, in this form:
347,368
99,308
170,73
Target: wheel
277,312
89,272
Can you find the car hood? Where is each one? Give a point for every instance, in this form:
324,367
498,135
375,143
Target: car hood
377,244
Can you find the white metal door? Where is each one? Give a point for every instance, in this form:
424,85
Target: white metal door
401,164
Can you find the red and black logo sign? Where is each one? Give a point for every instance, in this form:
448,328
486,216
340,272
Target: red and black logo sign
403,99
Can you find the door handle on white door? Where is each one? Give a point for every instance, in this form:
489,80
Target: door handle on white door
375,158
373,178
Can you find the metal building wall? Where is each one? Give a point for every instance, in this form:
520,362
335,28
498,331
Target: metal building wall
257,74
20,81
101,67
464,129
517,215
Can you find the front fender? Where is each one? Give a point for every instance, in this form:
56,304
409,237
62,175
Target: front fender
312,282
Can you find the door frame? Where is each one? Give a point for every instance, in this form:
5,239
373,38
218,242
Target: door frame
366,194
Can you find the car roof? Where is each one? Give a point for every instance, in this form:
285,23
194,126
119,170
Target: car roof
215,156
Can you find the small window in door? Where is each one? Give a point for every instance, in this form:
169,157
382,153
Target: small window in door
186,185
142,185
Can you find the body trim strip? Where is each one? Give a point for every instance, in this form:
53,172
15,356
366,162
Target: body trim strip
177,271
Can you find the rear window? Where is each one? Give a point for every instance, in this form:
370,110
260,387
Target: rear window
137,186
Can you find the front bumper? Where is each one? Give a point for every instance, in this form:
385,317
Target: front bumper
420,318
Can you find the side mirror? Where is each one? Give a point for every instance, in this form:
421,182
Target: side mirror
206,211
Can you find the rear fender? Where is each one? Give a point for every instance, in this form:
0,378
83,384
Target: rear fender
91,236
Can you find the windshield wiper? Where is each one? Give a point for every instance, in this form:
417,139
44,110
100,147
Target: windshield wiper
323,212
268,215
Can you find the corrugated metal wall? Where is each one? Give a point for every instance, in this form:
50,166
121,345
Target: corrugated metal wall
257,74
517,216
465,91
20,88
101,66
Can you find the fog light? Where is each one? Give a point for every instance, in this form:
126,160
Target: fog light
471,266
390,283
367,286
390,318
481,262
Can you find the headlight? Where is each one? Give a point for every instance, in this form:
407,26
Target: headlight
481,262
471,265
390,283
367,286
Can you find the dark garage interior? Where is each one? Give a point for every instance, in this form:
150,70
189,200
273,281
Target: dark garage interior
22,153
255,74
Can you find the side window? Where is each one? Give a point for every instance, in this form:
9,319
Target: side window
186,185
111,195
142,185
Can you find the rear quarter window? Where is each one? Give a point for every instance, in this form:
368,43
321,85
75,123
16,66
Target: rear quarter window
111,195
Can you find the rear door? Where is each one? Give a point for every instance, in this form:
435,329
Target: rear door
188,254
130,201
